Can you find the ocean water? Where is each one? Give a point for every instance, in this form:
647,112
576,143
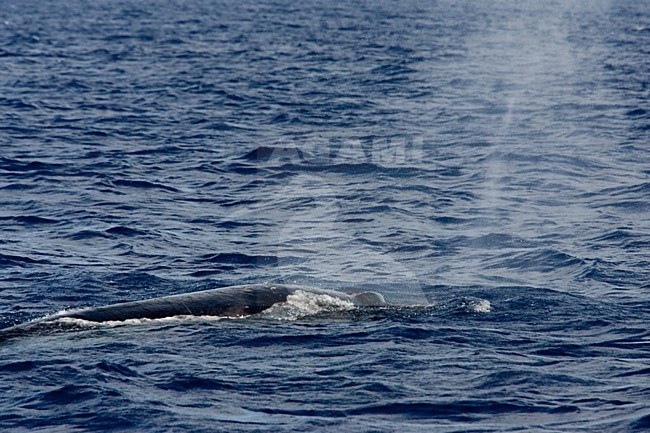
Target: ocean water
484,165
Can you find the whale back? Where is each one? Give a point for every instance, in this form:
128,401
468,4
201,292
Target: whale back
233,301
224,302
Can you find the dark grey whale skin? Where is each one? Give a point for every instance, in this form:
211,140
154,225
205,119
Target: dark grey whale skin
233,301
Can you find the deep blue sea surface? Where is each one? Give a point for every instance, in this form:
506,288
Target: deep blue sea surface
484,165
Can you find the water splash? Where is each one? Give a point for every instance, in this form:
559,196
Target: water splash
303,304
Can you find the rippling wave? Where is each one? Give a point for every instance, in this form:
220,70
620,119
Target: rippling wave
484,166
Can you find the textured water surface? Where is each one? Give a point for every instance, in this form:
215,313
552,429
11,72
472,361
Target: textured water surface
484,165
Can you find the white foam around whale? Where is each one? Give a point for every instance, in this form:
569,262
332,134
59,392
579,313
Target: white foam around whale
303,304
143,321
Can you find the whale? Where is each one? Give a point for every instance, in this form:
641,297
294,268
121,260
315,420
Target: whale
231,301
